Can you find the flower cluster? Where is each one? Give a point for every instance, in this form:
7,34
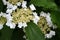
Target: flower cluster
46,24
21,16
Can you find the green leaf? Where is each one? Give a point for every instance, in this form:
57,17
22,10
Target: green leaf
45,4
18,34
5,33
56,17
33,32
2,7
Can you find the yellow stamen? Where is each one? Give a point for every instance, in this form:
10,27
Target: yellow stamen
15,1
22,15
42,23
2,20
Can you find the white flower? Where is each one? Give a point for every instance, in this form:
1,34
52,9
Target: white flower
34,13
10,24
9,11
18,4
1,14
48,18
32,7
14,7
9,5
54,26
20,25
52,33
24,24
43,14
8,17
48,36
1,26
36,18
5,2
24,3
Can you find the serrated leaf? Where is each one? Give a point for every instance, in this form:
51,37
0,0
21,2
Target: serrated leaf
33,32
45,3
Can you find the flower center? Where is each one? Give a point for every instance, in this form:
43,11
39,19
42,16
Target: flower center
42,23
15,1
3,20
22,15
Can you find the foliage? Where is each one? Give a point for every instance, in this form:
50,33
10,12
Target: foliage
33,32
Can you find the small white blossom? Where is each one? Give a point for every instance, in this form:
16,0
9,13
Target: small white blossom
36,18
9,11
8,17
9,5
24,24
14,7
20,25
48,18
18,4
32,7
34,13
1,14
24,3
4,2
1,26
10,24
54,26
48,36
43,14
52,33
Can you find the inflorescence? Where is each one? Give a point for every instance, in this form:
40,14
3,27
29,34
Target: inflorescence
23,15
